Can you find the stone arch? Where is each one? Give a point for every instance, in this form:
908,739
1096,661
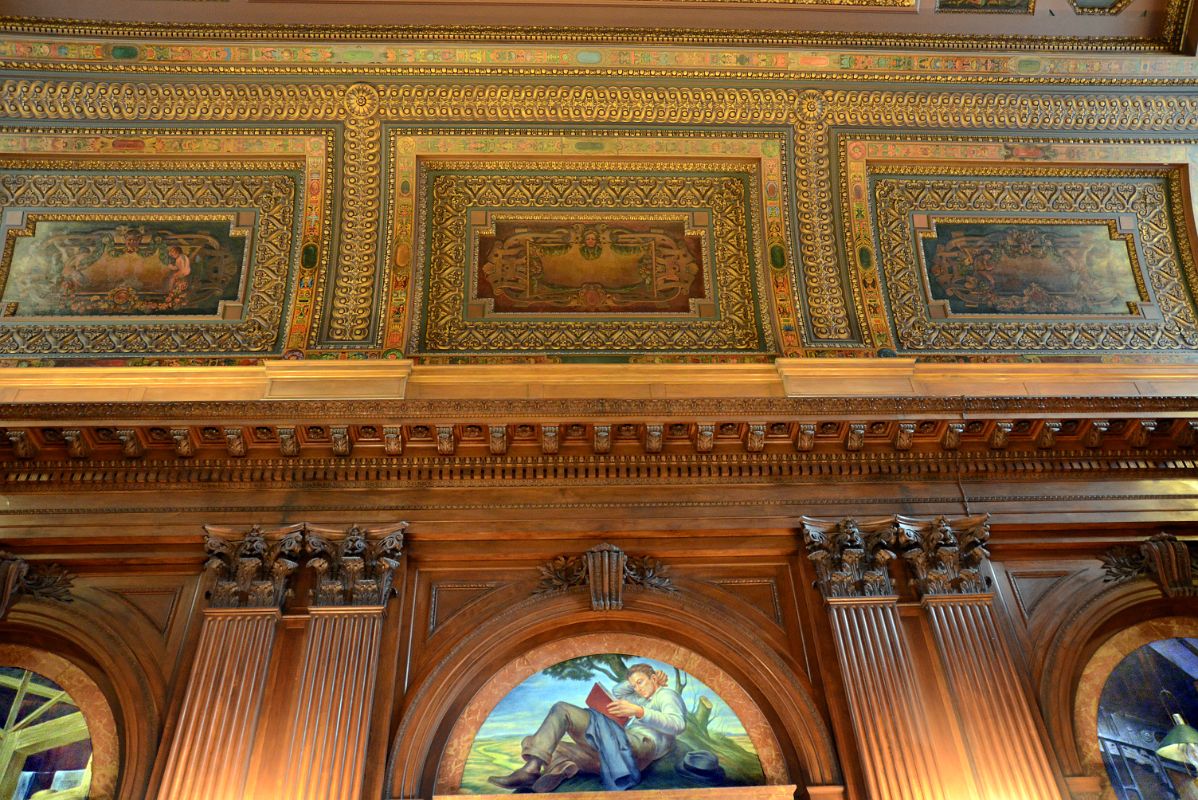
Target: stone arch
116,658
529,630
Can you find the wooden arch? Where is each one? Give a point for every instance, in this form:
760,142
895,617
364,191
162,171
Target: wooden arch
114,654
1092,612
771,680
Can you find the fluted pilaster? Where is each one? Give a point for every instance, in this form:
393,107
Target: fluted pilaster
1004,740
327,751
884,700
851,561
210,753
949,558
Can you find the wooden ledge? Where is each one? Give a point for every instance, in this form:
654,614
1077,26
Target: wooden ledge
401,380
903,377
780,792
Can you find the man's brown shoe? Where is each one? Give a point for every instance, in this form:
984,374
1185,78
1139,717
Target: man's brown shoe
525,776
554,776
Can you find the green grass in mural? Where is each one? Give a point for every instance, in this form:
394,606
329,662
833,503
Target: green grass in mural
502,756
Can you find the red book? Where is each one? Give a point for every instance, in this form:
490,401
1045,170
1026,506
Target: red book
599,699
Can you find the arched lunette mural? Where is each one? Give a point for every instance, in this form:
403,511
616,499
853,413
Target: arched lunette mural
697,729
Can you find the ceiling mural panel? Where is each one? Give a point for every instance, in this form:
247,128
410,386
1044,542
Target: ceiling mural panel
596,259
193,249
1025,247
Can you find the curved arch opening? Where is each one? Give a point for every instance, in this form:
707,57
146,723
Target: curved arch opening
59,733
721,738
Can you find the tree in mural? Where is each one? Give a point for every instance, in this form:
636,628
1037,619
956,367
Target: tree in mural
697,735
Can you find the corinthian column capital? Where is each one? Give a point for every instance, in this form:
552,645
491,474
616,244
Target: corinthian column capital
851,556
946,554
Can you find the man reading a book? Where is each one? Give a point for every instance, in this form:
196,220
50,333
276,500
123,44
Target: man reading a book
614,737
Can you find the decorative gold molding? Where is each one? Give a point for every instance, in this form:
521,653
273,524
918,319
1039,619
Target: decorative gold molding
575,35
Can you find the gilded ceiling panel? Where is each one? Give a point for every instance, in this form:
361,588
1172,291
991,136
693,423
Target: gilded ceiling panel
146,244
591,259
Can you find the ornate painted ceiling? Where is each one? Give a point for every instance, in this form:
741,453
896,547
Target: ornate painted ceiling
206,195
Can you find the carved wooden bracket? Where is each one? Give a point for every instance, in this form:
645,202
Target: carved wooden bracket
946,553
607,570
252,569
355,567
851,556
19,578
1163,558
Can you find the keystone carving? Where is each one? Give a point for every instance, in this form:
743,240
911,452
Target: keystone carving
41,581
235,442
606,570
1095,433
705,438
252,570
355,567
77,444
946,554
184,445
23,445
755,439
851,558
1163,558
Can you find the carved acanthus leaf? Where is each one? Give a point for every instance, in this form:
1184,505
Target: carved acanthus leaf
41,581
562,573
252,570
851,556
607,570
355,567
946,554
1164,558
648,573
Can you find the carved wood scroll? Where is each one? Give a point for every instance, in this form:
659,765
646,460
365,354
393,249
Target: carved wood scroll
606,569
1163,558
19,578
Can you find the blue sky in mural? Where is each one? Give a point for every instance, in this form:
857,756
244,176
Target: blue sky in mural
713,750
522,710
1135,714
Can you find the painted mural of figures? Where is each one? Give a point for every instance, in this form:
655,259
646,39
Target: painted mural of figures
593,267
599,744
98,268
180,267
610,722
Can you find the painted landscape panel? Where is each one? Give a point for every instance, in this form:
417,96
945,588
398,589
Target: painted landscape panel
118,267
1026,268
546,266
610,722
